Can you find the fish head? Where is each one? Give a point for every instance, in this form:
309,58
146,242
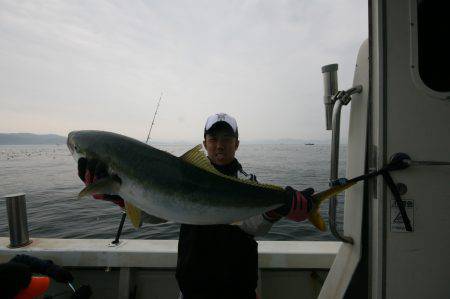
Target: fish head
76,147
92,145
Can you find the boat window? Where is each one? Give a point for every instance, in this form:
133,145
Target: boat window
433,26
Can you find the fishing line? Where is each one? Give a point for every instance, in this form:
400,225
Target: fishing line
154,116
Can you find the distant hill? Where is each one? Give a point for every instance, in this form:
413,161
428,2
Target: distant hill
27,138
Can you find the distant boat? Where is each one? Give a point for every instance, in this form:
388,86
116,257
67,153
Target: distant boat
309,143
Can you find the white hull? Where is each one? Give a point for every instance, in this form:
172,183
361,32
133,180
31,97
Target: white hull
288,269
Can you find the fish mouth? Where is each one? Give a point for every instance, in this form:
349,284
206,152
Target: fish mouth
70,143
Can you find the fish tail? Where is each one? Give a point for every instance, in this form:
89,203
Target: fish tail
314,215
316,219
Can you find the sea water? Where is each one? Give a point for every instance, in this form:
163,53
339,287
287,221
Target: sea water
47,174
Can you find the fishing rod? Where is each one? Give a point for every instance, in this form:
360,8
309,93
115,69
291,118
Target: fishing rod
154,116
116,241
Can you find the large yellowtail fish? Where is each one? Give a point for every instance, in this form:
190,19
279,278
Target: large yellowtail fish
186,189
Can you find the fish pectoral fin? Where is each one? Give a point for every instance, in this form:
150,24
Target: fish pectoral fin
147,218
196,157
108,185
134,214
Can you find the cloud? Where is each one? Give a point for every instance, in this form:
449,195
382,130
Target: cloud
103,64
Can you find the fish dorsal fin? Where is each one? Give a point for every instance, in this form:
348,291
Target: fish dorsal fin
195,156
134,214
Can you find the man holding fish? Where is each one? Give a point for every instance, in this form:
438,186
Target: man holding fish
221,261
216,258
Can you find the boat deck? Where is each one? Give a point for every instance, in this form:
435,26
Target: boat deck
145,268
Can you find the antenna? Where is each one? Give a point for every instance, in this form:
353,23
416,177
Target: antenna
154,116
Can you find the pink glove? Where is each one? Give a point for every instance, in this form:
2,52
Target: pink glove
297,207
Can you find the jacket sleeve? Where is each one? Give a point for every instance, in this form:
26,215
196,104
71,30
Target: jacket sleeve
256,225
36,265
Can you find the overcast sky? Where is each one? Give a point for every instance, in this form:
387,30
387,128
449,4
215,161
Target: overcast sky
70,65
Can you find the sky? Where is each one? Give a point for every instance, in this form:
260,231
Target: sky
102,65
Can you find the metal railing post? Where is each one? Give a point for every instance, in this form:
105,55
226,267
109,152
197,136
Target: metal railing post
336,126
17,219
342,98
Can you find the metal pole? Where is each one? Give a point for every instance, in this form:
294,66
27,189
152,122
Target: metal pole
336,122
330,83
342,98
17,219
119,230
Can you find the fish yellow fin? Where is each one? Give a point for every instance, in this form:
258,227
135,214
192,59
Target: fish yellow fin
197,157
134,214
316,219
107,185
238,223
314,215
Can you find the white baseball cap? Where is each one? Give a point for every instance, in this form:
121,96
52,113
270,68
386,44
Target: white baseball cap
221,118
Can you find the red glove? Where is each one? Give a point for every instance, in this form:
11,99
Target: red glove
90,171
296,208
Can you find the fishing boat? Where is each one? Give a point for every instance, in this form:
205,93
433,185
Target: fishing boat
395,236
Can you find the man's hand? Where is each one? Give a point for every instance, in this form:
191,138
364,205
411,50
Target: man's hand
90,171
296,208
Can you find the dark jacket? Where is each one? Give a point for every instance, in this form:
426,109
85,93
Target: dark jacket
217,261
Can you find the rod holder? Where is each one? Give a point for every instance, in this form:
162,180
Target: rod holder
16,209
330,86
339,100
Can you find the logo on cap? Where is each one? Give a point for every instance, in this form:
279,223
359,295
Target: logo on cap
221,116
